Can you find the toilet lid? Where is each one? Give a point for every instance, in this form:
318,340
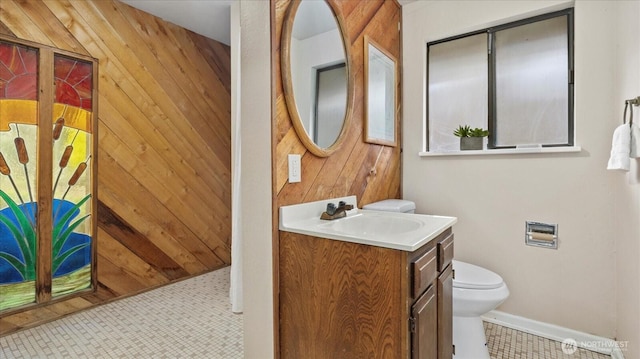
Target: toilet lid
392,205
473,277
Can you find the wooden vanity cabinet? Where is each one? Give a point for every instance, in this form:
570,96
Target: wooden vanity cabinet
346,300
432,311
445,314
445,297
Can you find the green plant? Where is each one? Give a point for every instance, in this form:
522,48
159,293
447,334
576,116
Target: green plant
478,132
462,131
467,131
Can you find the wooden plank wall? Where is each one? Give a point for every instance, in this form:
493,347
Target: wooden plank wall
164,182
371,172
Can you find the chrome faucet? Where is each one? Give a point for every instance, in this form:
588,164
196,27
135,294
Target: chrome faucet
334,212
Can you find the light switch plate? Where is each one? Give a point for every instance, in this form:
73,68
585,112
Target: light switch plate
294,169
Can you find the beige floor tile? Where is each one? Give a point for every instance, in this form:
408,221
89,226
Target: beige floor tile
507,343
188,319
193,319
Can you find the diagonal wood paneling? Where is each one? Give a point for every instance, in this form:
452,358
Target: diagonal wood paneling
164,157
371,172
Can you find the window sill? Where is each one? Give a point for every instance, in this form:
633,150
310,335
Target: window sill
508,151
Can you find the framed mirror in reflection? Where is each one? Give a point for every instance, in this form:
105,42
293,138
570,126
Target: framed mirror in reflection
380,94
316,77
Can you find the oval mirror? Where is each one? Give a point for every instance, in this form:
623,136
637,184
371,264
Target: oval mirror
316,75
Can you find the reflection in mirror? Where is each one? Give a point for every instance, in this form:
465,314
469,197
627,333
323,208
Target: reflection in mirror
330,104
380,87
316,75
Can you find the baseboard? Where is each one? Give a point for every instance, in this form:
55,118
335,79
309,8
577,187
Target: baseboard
554,332
616,353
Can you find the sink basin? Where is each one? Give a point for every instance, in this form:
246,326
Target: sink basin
401,231
374,223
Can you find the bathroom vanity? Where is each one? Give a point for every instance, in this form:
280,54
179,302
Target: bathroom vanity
346,292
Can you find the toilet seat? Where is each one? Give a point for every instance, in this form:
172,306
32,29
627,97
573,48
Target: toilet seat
469,276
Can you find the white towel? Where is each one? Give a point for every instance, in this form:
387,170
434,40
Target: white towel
635,141
620,149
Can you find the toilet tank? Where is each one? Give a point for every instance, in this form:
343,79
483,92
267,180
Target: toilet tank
392,205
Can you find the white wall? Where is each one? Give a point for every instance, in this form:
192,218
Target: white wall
627,208
256,188
492,196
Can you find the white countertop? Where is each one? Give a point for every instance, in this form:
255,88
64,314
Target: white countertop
402,231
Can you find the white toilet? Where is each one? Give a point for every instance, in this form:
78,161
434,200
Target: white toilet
476,291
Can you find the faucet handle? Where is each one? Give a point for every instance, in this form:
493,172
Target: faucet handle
331,209
345,206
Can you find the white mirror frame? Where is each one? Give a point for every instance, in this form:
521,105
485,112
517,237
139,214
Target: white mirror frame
381,97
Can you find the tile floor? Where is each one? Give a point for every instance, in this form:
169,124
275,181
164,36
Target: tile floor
188,319
193,319
507,343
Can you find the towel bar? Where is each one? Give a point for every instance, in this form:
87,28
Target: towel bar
632,102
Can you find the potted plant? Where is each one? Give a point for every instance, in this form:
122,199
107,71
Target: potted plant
470,138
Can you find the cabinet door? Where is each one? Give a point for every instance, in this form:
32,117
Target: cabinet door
445,314
424,327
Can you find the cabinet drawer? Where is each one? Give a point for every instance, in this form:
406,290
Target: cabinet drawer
445,252
425,271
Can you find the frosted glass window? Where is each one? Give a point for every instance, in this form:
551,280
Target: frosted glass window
532,84
458,81
516,80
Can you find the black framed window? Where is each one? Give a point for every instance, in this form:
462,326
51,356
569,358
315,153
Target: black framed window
516,80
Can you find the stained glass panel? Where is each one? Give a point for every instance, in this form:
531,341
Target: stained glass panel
18,174
72,180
